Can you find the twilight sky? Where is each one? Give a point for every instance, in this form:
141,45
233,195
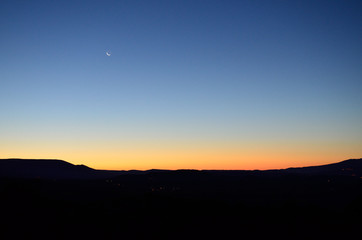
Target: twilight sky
190,84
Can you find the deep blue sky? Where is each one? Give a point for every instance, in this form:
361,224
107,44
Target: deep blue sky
227,74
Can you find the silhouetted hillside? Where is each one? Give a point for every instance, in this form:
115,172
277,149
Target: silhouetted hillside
53,199
351,167
49,169
59,169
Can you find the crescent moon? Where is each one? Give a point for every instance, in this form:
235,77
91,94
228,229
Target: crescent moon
108,54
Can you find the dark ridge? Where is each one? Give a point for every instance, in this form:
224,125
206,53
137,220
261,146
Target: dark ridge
321,202
59,169
351,167
49,169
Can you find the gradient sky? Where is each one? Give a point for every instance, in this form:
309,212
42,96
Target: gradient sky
189,84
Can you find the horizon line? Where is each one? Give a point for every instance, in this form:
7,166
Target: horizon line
179,169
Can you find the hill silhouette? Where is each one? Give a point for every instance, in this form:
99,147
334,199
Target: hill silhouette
42,199
60,169
351,167
50,169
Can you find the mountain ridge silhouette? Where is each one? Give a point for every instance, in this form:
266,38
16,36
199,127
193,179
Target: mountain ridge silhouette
60,169
310,203
49,169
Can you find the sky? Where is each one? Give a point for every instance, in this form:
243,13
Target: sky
188,85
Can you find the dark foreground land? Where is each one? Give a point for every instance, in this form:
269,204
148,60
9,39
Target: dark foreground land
48,199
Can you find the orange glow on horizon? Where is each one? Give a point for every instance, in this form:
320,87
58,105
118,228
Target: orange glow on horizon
188,155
